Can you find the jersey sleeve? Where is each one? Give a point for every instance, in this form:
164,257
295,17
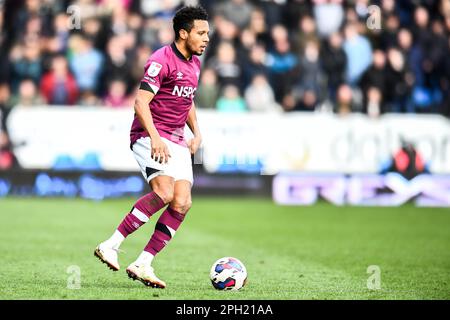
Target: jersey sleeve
155,72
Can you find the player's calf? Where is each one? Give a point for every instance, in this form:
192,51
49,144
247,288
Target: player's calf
141,212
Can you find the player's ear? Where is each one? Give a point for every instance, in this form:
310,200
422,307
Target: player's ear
183,34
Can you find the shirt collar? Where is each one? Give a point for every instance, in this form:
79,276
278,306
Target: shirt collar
178,53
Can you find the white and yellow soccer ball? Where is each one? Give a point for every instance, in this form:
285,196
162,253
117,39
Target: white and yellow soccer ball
228,273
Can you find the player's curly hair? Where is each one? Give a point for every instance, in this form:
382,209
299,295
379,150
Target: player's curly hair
184,19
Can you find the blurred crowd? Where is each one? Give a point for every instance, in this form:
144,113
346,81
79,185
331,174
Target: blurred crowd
335,56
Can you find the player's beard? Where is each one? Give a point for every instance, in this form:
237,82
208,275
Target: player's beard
191,49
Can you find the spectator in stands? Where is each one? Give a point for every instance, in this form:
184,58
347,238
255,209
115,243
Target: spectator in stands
307,32
329,16
344,100
26,63
236,11
374,102
29,12
226,66
117,95
399,83
225,31
208,90
282,63
438,56
375,76
231,100
86,63
141,55
358,51
388,7
334,63
259,95
422,32
294,11
28,94
425,41
259,27
308,101
311,75
92,28
118,24
274,11
61,32
58,87
390,32
247,41
165,35
89,99
412,54
256,64
117,62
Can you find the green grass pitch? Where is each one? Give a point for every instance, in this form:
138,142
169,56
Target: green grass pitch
318,252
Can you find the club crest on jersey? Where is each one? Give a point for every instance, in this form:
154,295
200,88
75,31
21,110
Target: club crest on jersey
154,69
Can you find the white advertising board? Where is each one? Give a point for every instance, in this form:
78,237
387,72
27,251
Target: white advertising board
264,143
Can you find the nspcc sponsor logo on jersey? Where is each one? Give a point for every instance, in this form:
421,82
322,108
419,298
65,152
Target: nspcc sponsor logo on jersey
184,91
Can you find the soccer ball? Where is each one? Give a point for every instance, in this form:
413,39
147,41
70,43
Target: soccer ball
228,273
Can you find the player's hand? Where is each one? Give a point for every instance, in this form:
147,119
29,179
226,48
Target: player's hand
160,151
194,144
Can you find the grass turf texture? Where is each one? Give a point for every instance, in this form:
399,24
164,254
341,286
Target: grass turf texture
319,252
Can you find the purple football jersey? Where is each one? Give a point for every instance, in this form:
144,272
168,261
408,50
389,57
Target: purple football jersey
173,79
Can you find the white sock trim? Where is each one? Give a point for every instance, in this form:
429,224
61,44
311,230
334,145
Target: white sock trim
140,215
172,231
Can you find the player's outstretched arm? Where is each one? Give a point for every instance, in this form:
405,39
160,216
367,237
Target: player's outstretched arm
192,123
160,151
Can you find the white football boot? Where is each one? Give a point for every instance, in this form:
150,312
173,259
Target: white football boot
145,274
108,255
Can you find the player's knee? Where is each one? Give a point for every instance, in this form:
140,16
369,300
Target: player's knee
182,205
165,193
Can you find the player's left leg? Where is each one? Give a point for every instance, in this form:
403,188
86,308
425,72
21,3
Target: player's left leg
165,229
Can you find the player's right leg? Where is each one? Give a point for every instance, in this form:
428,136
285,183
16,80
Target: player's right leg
141,269
140,213
162,193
